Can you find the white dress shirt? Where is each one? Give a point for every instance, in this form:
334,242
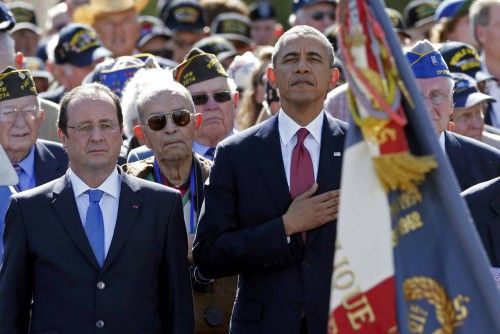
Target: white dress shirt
288,138
442,142
108,203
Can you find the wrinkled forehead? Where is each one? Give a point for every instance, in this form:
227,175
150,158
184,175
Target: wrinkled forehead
208,86
301,44
443,84
30,101
168,100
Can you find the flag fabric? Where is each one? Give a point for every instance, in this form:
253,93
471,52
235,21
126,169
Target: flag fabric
407,259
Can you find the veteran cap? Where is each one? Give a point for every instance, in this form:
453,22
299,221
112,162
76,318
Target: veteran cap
452,8
183,15
219,46
298,4
79,45
461,57
419,12
261,10
398,24
25,17
7,20
232,26
426,61
16,83
465,91
198,66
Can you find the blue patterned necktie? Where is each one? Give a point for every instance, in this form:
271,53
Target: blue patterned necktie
19,171
94,225
209,154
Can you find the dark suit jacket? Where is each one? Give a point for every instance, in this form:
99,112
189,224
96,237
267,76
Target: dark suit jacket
51,161
484,205
241,232
48,258
472,161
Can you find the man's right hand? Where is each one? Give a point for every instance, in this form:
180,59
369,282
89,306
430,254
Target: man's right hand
307,211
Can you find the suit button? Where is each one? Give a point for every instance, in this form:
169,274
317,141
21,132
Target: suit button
101,285
99,324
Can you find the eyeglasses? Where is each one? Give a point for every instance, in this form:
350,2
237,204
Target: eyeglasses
158,121
9,115
319,15
201,99
436,97
86,128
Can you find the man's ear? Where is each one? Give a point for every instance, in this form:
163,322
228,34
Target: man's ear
61,136
236,99
450,126
335,78
271,77
139,134
198,119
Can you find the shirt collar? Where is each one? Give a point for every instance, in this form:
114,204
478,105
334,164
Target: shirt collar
288,127
28,163
110,186
442,142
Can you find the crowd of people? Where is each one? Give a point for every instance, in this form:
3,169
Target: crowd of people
180,173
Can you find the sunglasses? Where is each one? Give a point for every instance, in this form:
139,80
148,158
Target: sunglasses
319,15
201,99
179,117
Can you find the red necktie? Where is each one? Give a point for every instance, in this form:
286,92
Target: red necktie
301,168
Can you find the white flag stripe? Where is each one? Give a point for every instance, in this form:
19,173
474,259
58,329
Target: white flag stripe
364,226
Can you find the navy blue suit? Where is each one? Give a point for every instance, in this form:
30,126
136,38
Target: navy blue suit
51,161
472,161
241,232
484,204
143,287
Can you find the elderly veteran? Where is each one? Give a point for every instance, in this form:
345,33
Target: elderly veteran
468,114
167,123
214,95
116,22
472,161
36,161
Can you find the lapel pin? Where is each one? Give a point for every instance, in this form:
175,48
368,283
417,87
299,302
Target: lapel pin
337,154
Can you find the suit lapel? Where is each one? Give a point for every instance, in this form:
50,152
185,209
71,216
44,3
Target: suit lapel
128,208
330,162
269,160
494,226
65,205
45,164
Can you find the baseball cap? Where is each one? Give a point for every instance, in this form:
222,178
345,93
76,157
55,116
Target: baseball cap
25,17
156,31
79,45
466,93
298,4
216,45
7,20
461,57
419,12
183,15
232,26
36,67
452,8
261,10
397,21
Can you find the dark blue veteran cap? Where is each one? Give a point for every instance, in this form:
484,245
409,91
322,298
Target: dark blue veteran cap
79,45
7,20
183,15
298,4
465,91
426,61
261,10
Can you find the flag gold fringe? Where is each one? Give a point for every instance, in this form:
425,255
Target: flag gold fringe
402,171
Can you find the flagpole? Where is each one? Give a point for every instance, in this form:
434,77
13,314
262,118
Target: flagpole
451,199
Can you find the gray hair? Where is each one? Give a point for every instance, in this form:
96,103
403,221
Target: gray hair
148,92
143,80
479,14
304,31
